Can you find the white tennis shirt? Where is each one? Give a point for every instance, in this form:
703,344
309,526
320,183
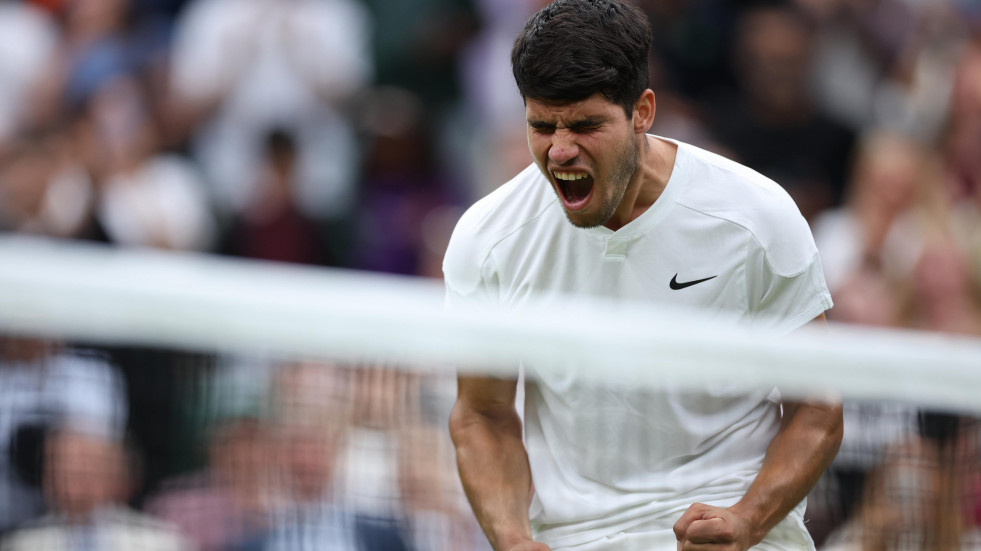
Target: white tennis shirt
606,460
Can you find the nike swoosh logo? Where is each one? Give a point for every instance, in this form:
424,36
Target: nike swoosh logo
676,286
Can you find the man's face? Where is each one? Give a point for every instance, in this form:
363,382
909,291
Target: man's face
587,150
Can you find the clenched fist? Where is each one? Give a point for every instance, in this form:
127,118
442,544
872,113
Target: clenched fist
707,528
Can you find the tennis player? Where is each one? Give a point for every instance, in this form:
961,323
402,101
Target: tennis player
607,209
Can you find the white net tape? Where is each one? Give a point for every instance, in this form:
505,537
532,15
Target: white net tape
144,297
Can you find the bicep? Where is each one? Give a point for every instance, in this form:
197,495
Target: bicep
484,406
812,413
489,396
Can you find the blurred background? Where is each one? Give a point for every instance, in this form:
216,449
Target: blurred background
353,134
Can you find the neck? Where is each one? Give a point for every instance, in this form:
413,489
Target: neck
655,162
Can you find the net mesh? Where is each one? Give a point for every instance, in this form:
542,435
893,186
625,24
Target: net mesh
239,405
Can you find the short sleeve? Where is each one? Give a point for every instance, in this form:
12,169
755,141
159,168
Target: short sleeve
784,277
463,268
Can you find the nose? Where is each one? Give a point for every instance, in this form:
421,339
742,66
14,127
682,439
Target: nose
564,148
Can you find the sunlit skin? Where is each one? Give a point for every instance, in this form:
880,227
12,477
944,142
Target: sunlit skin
628,168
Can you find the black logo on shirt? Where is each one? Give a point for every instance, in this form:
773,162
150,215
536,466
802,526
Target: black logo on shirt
677,286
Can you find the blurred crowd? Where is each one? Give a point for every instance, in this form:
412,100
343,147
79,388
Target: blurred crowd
352,133
223,453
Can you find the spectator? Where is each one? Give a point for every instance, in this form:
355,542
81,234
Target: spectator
86,482
943,297
146,198
273,227
437,518
45,184
43,384
224,507
962,139
309,516
771,124
869,246
906,506
691,40
887,63
872,242
28,38
499,145
403,190
416,48
312,405
244,67
102,40
416,45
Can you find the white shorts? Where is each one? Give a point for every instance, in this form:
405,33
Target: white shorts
789,535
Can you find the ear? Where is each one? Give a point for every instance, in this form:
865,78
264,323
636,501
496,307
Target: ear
644,110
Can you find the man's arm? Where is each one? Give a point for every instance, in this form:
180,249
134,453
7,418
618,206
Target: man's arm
808,439
493,463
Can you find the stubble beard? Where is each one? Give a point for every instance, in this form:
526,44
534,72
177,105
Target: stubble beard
623,171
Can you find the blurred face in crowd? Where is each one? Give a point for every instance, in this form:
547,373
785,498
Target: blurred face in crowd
901,497
308,456
942,282
774,52
83,472
24,175
587,151
887,170
122,125
239,454
93,18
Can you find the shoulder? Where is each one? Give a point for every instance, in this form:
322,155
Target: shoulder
489,222
138,521
131,526
724,189
180,494
43,533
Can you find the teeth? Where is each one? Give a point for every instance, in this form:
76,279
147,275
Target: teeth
570,175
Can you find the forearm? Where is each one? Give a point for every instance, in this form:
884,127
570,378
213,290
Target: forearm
494,470
802,450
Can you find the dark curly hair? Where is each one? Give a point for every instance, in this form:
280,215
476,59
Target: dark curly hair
572,49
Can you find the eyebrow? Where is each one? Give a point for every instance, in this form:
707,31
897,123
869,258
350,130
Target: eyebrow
587,122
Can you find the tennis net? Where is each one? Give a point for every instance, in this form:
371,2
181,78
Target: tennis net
224,397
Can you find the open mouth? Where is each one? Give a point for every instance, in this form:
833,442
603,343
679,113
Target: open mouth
575,188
